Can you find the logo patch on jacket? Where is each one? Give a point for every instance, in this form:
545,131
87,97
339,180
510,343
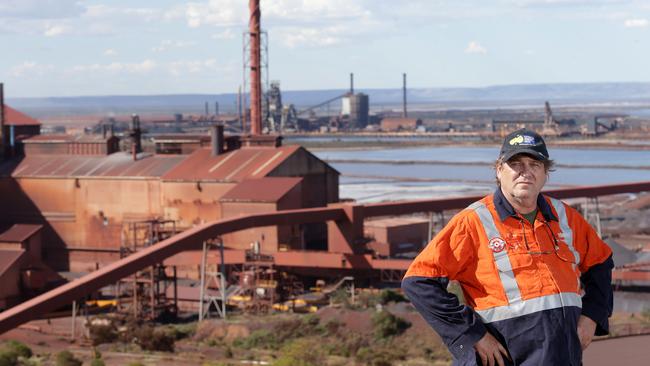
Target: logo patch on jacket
497,245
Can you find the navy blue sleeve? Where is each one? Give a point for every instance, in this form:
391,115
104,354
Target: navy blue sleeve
598,301
458,325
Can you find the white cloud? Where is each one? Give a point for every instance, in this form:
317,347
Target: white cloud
636,23
29,68
169,44
178,68
56,30
293,37
475,47
143,67
565,3
110,52
40,9
225,34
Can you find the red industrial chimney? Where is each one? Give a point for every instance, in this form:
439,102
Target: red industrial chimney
256,72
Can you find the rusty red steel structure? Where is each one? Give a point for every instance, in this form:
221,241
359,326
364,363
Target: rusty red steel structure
256,71
347,219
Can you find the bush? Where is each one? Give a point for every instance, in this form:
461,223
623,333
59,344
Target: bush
388,296
97,362
12,351
66,358
379,356
261,338
105,332
282,331
386,325
151,339
301,352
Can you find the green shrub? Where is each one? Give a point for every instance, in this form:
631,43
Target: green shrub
182,331
102,333
12,351
261,338
301,352
8,358
66,358
282,331
387,325
151,339
388,296
379,356
97,362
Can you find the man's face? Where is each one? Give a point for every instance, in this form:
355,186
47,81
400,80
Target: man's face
522,177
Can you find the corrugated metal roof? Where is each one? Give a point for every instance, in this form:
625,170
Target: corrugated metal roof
235,166
8,257
268,189
119,164
17,118
19,233
44,139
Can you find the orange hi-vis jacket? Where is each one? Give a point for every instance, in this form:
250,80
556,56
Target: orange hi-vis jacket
509,269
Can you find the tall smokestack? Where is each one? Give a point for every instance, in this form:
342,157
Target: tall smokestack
2,121
256,72
216,108
207,109
136,134
351,84
404,114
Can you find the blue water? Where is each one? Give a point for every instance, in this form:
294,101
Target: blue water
488,155
370,182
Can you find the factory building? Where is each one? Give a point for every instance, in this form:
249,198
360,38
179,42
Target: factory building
16,127
400,124
356,108
85,199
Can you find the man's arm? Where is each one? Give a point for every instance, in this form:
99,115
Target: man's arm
598,301
458,325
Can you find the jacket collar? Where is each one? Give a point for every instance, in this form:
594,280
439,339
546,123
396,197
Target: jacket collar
505,209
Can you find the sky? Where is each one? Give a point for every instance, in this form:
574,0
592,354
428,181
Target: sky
140,47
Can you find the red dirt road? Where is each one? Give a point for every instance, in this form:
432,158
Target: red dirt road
627,351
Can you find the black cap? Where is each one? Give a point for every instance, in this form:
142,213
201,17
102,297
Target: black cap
524,142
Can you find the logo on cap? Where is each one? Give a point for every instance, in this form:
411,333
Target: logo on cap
522,140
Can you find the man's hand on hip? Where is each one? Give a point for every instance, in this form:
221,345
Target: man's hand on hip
586,331
491,351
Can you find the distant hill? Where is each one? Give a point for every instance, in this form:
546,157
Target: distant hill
492,96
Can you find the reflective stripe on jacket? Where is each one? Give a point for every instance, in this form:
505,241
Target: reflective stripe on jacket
512,272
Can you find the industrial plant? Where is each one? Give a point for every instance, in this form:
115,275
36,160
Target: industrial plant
155,217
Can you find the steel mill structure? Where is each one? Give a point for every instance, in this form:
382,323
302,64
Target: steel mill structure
253,221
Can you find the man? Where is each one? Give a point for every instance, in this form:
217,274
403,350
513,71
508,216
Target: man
520,258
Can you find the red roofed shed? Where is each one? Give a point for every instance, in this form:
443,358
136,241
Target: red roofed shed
19,124
262,195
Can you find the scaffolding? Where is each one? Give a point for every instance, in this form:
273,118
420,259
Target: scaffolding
212,279
256,284
144,294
